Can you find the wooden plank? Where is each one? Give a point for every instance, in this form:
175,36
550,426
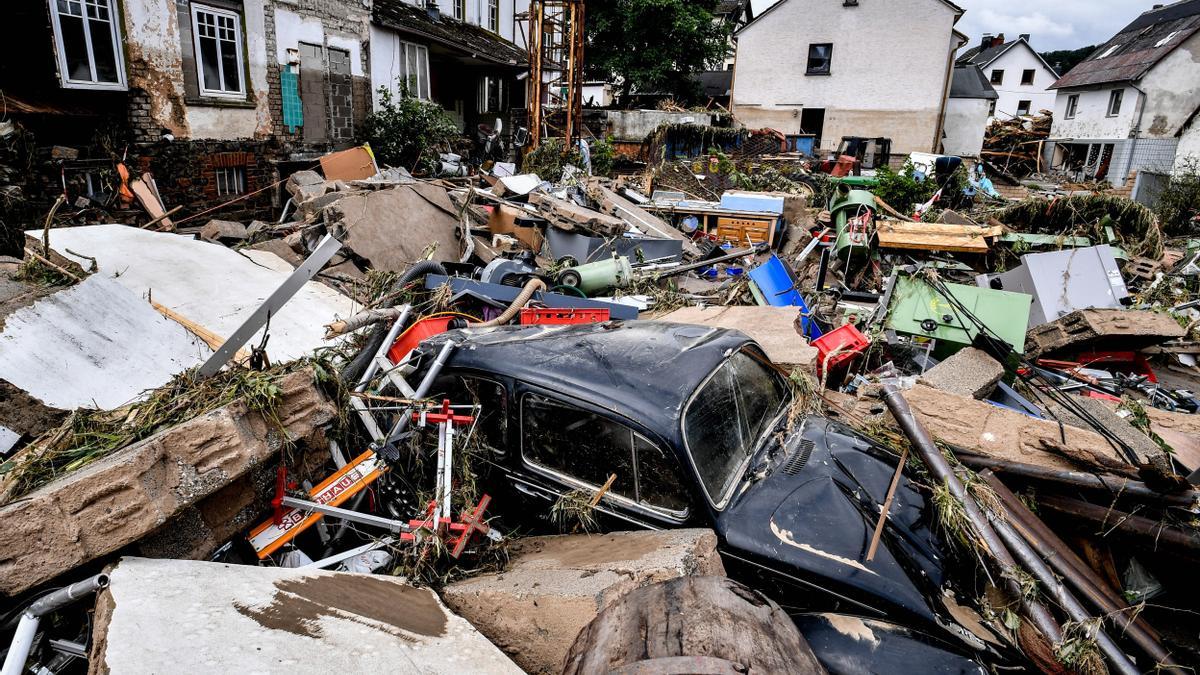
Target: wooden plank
355,163
210,338
932,236
145,195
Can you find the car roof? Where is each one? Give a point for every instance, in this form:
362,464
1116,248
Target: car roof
644,370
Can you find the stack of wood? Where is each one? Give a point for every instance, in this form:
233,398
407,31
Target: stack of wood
1013,145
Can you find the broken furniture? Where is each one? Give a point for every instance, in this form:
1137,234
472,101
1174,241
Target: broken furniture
954,313
1061,282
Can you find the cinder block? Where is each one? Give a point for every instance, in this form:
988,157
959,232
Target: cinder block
968,372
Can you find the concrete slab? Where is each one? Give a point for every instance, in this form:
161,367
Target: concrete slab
121,498
1101,329
967,372
94,345
213,286
164,616
773,328
391,228
553,586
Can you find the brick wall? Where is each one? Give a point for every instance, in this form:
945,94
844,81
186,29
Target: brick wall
185,173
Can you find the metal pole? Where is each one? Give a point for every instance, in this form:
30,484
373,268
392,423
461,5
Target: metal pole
423,388
1055,552
1153,533
22,642
924,446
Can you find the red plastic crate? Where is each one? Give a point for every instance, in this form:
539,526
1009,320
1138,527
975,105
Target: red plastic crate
845,338
562,316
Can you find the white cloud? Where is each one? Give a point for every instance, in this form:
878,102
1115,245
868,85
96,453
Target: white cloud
1066,24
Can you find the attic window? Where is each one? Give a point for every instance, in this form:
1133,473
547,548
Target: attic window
1027,76
998,76
1167,39
820,58
1109,52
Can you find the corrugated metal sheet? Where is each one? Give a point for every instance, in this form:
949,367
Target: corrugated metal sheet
1133,51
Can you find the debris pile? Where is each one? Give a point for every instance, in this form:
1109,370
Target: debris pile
413,420
1014,145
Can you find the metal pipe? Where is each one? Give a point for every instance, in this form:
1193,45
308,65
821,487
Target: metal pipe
22,642
1074,609
1061,558
924,446
1155,531
423,389
1115,485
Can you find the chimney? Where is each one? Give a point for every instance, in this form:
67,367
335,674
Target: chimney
986,41
431,8
998,40
1025,37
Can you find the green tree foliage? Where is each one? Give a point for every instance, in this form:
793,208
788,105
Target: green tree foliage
1063,60
654,45
1178,206
407,131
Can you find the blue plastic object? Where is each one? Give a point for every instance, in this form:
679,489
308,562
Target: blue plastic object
779,289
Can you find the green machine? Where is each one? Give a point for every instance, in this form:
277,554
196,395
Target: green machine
616,272
917,308
847,208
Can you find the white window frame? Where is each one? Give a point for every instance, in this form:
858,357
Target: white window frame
459,9
1072,107
118,50
241,61
1115,96
422,90
234,178
486,83
493,11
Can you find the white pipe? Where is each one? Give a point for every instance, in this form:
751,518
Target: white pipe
22,643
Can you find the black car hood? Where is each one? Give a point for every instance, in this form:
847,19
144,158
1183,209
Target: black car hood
813,516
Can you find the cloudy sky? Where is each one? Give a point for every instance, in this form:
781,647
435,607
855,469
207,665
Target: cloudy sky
1052,24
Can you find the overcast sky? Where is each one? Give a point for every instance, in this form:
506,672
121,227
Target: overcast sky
1052,24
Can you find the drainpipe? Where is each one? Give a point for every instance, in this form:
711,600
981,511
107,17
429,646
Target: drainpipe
1137,129
936,148
22,643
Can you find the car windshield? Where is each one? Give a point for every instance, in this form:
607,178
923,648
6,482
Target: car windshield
727,417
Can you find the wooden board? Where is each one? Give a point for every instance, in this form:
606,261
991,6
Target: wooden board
355,163
149,200
933,236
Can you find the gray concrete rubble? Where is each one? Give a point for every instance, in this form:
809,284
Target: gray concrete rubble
158,615
553,586
569,216
773,328
121,498
1103,328
368,225
224,231
968,372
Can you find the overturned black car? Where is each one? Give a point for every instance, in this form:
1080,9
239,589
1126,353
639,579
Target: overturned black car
694,422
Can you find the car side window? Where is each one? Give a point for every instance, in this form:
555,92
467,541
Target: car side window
659,483
577,443
492,399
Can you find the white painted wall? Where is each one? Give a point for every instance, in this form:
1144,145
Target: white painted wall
152,37
1091,119
889,71
385,62
1188,152
1019,58
1173,90
966,121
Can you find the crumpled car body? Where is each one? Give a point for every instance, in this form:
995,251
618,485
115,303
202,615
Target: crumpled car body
696,426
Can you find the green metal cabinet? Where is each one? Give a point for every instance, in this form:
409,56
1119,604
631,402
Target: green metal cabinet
917,309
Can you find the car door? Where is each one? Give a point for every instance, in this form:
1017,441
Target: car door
568,446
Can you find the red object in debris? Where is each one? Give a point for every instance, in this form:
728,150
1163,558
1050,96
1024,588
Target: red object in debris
844,166
1088,393
845,340
446,415
416,334
531,316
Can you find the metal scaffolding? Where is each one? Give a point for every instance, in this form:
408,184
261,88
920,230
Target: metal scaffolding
555,70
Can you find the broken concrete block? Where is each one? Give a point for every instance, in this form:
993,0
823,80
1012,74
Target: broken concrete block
257,226
651,225
1098,328
223,230
571,217
390,228
773,328
121,498
1103,412
305,185
986,429
159,615
316,205
968,372
553,586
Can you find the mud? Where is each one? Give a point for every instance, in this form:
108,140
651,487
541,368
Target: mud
593,550
393,608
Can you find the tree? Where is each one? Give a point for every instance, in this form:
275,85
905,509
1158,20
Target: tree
653,45
1065,59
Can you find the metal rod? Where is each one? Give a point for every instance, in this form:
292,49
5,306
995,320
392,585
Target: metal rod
347,554
924,446
346,514
1189,499
22,642
422,389
1154,532
1056,552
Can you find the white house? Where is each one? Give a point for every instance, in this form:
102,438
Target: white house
971,101
1020,76
873,68
1126,108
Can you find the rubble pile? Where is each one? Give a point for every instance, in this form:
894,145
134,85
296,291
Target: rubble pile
1012,145
503,422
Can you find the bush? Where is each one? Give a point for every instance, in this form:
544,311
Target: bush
900,190
1179,203
406,131
548,160
603,156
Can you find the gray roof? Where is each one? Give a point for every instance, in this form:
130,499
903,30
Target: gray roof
475,41
983,57
1137,48
969,82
